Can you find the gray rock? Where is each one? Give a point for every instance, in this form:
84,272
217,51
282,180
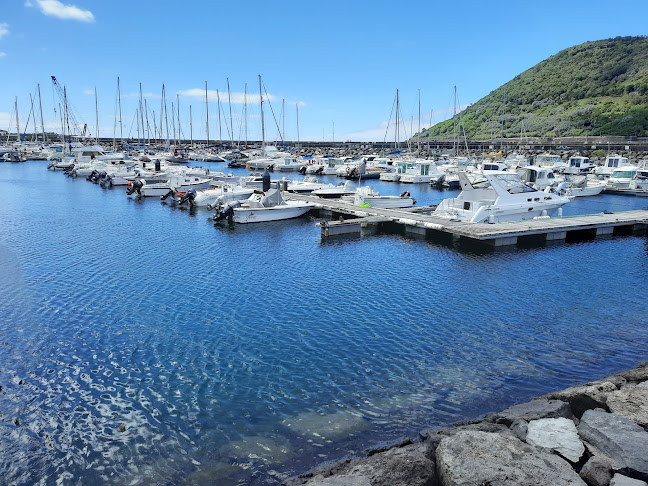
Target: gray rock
585,397
400,466
617,438
533,410
556,435
341,481
631,401
640,373
482,458
620,480
597,471
520,428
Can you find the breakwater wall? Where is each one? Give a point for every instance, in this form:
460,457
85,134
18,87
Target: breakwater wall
594,434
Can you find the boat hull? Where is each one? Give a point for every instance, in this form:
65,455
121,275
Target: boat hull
290,210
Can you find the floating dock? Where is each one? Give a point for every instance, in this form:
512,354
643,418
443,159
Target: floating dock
349,219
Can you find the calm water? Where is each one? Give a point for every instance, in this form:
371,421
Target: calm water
245,355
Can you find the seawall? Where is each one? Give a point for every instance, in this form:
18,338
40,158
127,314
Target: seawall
594,434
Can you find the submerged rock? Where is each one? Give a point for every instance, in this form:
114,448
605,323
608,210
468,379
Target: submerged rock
618,439
482,458
326,426
557,435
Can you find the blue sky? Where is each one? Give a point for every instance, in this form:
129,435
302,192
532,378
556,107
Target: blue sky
341,61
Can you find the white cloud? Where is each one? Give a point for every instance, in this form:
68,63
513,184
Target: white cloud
4,29
2,54
54,8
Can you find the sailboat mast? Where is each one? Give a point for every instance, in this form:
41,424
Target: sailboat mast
297,109
396,143
220,127
419,126
17,122
121,128
454,124
141,113
40,102
190,127
245,109
96,116
262,122
283,119
229,102
178,106
207,105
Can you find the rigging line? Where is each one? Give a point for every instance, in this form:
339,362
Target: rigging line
273,115
388,122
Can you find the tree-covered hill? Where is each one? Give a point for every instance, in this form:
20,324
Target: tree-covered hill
595,88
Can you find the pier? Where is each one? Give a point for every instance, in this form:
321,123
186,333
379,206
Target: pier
348,219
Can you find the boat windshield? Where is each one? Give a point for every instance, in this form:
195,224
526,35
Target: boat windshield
512,183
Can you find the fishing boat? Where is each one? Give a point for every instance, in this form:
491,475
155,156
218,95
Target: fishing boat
261,207
497,197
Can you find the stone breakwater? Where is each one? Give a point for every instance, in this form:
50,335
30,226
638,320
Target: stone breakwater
593,434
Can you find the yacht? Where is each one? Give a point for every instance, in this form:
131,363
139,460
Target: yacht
261,207
496,197
611,163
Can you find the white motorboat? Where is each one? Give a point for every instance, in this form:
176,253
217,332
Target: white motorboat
611,163
578,165
422,172
262,207
496,197
581,186
211,197
336,192
307,185
628,177
164,189
366,197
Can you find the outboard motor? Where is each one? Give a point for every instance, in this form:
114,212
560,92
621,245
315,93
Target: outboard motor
135,186
190,195
265,186
92,175
106,181
172,192
302,170
70,171
99,177
405,194
226,212
320,170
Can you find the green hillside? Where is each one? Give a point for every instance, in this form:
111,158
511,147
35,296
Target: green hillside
595,88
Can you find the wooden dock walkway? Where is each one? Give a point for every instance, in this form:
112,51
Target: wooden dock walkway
498,234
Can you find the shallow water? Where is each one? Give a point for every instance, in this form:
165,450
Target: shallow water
244,355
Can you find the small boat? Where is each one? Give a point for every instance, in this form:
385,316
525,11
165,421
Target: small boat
497,197
366,197
165,189
307,185
261,207
211,197
336,192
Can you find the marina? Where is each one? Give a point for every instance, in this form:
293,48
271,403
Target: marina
238,353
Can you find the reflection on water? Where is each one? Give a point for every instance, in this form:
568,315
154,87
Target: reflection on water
142,344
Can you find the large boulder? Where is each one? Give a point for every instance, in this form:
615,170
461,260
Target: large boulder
533,410
638,374
399,466
597,471
620,440
556,435
631,401
477,458
587,396
620,480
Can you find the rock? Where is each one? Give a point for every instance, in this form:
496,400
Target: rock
585,397
620,440
533,410
638,374
556,435
399,466
620,480
341,481
597,471
631,401
481,458
520,428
